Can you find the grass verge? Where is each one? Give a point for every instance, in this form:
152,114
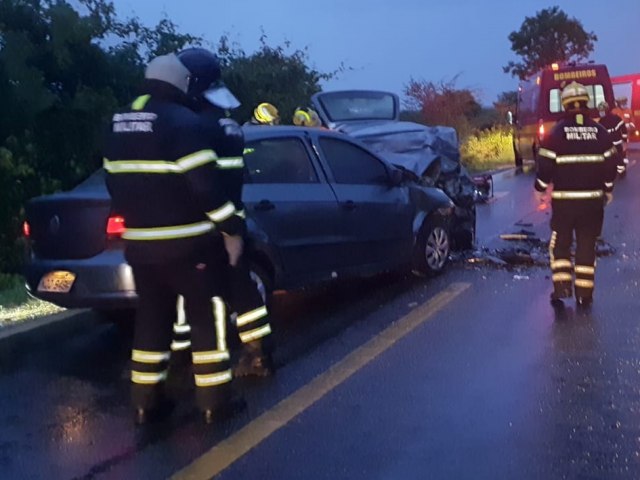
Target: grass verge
16,305
489,149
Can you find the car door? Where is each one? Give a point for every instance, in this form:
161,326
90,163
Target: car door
292,205
376,216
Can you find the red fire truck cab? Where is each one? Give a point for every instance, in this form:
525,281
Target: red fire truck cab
626,90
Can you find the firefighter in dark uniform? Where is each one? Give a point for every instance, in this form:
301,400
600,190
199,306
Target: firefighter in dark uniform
162,176
617,130
580,160
212,100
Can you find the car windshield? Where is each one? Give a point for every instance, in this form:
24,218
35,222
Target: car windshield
344,106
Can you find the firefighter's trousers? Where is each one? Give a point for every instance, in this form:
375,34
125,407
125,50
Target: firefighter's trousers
584,218
243,297
158,288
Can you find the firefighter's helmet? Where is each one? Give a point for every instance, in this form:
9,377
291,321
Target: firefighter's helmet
574,96
266,114
205,77
603,106
306,117
168,69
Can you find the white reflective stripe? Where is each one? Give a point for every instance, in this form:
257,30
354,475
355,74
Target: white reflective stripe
197,159
143,356
146,378
577,195
219,314
251,335
542,184
620,169
222,213
562,277
579,158
241,213
181,318
181,328
251,316
230,162
547,153
581,282
212,356
612,151
585,269
165,233
609,184
140,166
561,264
619,125
213,379
180,345
618,142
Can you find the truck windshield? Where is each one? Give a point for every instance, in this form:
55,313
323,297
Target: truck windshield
596,95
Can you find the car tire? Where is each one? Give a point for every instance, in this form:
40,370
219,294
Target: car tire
433,247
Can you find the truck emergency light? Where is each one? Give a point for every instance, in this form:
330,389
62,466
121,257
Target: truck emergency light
540,129
26,229
115,226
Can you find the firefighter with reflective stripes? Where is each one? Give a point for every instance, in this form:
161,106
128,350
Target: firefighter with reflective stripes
580,160
213,102
163,179
617,130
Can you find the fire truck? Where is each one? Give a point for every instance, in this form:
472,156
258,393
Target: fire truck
539,106
626,89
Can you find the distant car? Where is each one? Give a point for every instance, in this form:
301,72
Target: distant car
319,204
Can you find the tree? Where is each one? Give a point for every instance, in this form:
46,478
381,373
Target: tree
271,74
63,71
551,36
443,104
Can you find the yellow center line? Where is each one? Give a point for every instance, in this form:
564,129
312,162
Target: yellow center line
231,449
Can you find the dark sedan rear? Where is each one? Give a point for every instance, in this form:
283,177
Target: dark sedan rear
319,205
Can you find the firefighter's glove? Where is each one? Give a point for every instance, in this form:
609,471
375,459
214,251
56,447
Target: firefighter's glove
234,245
540,196
608,198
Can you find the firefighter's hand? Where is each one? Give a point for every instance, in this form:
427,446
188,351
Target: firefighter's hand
608,198
234,245
540,196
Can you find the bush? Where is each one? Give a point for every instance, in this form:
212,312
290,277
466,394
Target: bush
12,290
488,149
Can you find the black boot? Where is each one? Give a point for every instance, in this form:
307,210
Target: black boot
583,305
254,361
157,413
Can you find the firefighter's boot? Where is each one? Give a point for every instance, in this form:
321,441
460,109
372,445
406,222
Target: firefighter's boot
254,361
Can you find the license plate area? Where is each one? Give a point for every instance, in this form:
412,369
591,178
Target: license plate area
59,281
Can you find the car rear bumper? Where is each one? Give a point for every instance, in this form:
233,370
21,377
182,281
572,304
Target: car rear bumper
104,281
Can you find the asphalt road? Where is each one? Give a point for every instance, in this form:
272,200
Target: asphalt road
466,376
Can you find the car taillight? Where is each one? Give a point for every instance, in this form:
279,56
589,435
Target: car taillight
540,129
115,226
26,229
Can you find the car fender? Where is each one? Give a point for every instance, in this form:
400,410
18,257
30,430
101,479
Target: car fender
260,249
429,201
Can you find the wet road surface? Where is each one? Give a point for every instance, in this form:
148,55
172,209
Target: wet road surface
488,383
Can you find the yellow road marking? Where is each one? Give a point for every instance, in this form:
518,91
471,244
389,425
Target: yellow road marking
231,449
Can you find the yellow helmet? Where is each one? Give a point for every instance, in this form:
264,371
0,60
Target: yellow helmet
306,117
266,114
573,95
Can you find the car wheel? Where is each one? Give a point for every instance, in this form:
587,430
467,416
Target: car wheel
432,248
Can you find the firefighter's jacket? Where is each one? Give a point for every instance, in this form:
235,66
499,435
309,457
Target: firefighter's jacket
228,138
163,177
578,158
617,130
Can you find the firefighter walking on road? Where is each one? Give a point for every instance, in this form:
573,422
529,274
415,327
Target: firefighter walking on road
163,179
213,101
580,160
617,130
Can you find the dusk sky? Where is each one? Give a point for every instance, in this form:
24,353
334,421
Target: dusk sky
388,42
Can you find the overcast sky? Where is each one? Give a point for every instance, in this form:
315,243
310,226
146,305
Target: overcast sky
387,42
